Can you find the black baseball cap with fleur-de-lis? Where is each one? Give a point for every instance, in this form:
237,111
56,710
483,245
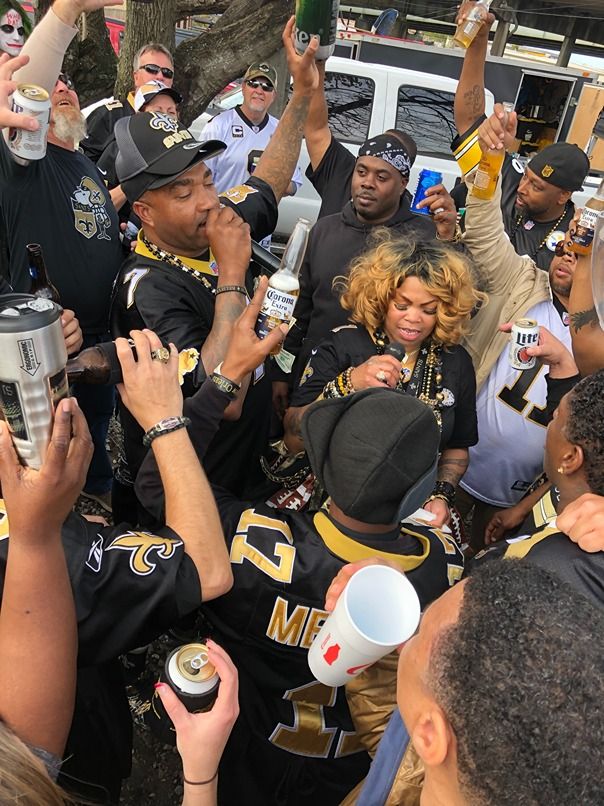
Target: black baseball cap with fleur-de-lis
154,149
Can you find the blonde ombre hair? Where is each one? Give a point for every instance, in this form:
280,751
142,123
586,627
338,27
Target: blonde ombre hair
23,777
376,275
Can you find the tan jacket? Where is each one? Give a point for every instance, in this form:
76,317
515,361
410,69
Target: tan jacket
514,284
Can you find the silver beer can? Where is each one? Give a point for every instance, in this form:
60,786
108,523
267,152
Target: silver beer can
29,99
525,333
32,371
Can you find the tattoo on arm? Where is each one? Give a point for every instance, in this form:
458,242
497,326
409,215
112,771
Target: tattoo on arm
474,100
279,159
226,312
451,470
582,318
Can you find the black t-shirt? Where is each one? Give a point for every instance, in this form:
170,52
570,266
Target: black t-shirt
332,178
283,564
351,345
100,124
180,309
61,203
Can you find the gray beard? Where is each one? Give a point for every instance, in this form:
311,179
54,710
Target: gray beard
69,125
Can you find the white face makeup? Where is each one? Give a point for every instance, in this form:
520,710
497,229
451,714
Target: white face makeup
12,33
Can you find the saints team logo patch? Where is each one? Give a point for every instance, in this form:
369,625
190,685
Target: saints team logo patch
187,362
236,131
90,218
238,194
143,548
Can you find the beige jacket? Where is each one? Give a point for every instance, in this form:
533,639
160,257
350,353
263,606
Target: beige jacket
513,283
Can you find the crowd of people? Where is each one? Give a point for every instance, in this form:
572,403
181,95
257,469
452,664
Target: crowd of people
244,497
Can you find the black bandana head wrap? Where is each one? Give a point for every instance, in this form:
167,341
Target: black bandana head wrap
390,150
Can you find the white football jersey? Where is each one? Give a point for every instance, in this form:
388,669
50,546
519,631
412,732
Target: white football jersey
511,423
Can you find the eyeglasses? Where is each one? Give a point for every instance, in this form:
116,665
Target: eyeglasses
8,29
154,69
63,77
264,85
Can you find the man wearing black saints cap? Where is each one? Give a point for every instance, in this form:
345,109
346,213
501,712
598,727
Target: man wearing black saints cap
380,176
375,452
188,278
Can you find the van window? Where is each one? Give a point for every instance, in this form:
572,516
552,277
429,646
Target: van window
427,115
349,102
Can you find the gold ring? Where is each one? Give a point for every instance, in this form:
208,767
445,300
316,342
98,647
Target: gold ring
381,376
161,354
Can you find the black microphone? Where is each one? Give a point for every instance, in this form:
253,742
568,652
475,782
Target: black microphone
395,349
264,258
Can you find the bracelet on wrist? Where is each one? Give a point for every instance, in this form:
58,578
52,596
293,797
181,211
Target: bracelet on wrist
456,238
341,386
199,783
445,491
225,289
165,426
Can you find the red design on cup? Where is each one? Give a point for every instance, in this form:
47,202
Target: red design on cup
523,356
356,669
332,654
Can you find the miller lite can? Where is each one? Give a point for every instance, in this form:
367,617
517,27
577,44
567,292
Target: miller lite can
29,99
193,678
525,333
32,371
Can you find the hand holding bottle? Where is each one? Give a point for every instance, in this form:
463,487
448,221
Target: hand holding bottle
499,130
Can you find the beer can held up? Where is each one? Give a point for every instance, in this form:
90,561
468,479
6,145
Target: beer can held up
29,99
525,334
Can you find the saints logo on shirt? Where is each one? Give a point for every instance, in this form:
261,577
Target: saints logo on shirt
90,217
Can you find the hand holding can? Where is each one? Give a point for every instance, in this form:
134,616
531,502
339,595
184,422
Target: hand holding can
378,610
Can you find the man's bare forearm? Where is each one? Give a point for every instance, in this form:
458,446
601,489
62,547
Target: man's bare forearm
278,162
228,308
469,98
586,334
191,511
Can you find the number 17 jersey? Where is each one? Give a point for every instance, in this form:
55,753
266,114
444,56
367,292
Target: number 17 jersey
512,422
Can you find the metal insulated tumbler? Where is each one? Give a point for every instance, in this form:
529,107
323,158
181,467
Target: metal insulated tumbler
32,371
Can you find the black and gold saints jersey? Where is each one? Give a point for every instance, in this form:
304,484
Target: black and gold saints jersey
294,734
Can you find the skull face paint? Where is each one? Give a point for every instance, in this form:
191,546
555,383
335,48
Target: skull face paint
12,33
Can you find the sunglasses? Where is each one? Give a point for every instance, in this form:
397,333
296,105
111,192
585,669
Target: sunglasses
264,85
8,29
155,69
66,80
561,249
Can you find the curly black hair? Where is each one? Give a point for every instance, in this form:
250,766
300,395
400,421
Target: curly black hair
521,679
585,427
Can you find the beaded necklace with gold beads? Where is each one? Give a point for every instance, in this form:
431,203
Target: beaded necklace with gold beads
174,260
518,221
426,379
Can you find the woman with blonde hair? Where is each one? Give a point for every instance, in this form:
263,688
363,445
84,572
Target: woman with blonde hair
410,304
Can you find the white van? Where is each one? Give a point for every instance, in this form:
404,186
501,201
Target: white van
364,100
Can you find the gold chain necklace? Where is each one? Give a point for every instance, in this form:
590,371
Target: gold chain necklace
544,241
174,260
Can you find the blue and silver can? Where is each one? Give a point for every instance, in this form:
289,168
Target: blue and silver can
427,179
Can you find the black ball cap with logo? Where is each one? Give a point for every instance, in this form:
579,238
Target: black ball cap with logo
154,149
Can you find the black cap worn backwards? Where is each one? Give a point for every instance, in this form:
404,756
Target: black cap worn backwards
375,452
562,164
154,149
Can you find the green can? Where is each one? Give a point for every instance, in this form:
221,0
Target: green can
316,17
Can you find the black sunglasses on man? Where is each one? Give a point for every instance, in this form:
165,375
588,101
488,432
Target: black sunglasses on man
155,69
264,85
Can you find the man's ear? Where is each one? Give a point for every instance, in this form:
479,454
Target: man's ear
432,736
564,196
144,212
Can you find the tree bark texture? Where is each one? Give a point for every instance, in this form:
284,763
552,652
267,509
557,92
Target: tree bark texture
248,30
145,22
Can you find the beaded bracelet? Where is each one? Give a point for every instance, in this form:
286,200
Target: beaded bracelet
341,386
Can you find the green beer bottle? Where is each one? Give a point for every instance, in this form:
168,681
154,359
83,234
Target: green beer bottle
318,17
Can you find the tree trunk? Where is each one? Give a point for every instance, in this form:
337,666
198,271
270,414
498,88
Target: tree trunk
145,22
249,30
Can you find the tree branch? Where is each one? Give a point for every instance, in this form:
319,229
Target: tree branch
186,8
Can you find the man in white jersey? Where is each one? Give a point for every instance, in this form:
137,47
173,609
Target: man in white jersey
246,130
510,403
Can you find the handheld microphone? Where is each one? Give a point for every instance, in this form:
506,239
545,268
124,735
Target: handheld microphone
395,349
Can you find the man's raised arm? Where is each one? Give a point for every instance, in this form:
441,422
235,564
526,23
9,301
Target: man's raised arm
278,162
